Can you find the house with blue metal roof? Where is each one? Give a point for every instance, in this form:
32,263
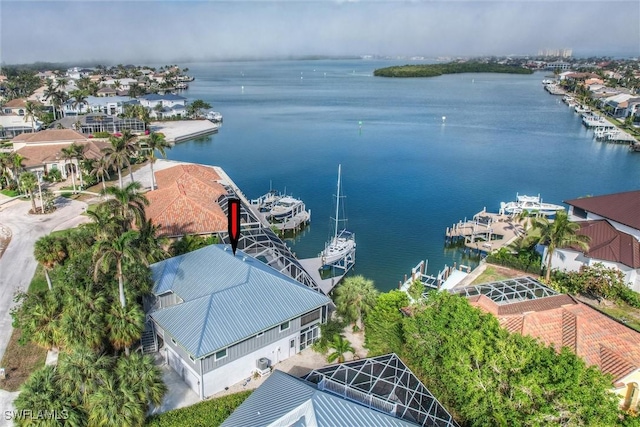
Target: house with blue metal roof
223,317
377,391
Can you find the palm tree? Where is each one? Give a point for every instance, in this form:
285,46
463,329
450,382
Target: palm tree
82,371
139,374
17,166
340,346
100,168
49,94
31,111
155,142
49,251
6,164
104,223
150,244
558,233
28,182
79,156
117,155
43,389
115,404
89,304
354,298
79,99
125,326
117,251
128,204
131,144
68,154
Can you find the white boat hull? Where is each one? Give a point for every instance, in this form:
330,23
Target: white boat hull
338,248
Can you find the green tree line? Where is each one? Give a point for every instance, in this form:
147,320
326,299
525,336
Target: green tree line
433,70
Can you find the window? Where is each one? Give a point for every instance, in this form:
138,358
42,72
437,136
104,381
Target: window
310,317
284,326
220,354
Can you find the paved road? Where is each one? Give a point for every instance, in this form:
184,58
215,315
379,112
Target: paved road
17,264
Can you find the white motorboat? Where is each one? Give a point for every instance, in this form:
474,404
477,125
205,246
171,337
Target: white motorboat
284,208
343,242
531,204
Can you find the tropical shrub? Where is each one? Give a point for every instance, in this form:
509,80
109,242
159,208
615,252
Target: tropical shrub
101,134
528,260
383,324
210,413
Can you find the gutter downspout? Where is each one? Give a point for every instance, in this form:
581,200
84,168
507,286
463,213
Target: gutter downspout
201,381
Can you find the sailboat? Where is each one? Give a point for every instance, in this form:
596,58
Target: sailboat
343,242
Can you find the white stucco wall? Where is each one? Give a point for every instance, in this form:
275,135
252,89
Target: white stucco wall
241,369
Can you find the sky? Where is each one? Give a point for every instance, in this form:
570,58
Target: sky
138,31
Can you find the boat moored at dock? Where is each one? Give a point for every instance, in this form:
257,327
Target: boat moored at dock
530,204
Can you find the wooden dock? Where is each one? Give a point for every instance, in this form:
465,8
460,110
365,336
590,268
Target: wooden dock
486,231
312,266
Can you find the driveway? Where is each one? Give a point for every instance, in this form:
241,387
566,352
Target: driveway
17,264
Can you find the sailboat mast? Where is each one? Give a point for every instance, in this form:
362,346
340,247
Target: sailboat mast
337,202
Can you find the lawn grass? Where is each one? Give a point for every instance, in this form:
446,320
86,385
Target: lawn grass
210,413
19,361
495,273
10,193
39,281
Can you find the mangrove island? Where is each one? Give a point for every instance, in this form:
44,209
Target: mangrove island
433,70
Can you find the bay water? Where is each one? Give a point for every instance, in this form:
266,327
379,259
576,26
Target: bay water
417,155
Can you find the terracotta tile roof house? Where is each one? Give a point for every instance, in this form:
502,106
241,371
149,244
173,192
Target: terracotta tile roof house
562,321
186,201
47,157
49,136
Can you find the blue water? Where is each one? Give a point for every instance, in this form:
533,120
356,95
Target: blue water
406,175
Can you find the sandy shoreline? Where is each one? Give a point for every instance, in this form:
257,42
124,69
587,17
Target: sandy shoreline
181,130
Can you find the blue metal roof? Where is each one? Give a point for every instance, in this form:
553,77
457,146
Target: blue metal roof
285,400
226,298
166,96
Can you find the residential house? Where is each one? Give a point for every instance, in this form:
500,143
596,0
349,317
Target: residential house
223,317
377,391
107,91
193,199
112,105
125,83
187,201
91,123
613,224
42,151
525,306
77,72
617,105
167,105
15,106
13,125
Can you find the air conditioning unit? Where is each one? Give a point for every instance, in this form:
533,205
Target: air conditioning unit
262,364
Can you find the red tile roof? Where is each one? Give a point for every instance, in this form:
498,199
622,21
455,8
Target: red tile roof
186,201
37,155
618,207
50,136
598,339
609,244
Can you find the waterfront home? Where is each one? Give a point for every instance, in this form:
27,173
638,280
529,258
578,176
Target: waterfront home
42,151
91,123
124,83
187,201
225,317
167,102
617,105
613,224
111,105
525,306
16,107
377,391
196,204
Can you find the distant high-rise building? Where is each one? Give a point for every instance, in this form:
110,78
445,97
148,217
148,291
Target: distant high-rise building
564,53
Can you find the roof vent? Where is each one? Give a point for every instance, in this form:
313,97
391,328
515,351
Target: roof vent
244,258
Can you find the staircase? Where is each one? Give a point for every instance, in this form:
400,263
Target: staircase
149,339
